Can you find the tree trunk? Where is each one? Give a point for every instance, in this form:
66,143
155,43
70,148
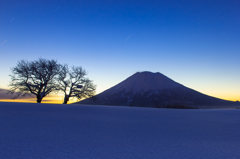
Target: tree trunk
39,99
66,99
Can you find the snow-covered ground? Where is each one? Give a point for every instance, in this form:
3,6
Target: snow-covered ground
30,130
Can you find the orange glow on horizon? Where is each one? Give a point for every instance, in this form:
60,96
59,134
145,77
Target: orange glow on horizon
59,99
49,100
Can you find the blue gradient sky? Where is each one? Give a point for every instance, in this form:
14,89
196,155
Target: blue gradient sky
194,42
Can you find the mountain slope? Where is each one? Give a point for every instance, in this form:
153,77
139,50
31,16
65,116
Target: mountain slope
147,89
5,95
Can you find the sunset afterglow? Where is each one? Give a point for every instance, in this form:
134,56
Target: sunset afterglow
195,43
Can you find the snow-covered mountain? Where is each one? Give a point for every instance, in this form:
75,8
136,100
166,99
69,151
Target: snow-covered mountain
147,89
4,95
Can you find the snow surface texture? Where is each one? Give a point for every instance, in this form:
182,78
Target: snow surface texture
103,132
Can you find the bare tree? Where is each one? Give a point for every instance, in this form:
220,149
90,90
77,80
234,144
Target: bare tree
74,84
35,77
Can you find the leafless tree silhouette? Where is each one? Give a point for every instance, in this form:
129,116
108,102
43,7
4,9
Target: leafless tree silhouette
36,77
74,84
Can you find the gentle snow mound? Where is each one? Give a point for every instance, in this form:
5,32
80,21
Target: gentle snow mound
103,132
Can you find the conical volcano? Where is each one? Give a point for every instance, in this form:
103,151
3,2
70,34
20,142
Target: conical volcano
147,89
144,81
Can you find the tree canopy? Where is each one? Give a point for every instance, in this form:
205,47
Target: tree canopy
35,77
74,84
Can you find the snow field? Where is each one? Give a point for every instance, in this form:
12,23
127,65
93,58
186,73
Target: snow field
106,132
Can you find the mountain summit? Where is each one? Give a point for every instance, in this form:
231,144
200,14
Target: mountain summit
147,89
144,81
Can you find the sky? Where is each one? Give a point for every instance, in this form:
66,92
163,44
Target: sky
193,42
